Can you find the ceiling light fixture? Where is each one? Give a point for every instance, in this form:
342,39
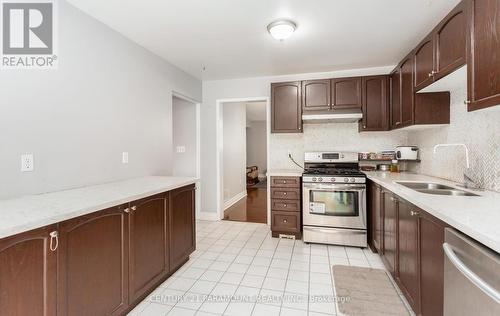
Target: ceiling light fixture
281,29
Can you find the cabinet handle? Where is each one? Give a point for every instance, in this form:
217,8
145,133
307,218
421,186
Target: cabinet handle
467,102
127,210
284,205
285,221
414,213
364,126
284,193
284,182
133,208
54,240
429,74
397,123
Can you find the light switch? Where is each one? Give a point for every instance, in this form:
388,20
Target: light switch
27,163
125,157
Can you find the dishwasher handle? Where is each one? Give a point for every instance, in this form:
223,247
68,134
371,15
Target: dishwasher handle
469,274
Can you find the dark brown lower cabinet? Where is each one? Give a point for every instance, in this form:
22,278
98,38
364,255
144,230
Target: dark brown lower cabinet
431,239
92,265
28,277
148,244
375,217
182,225
407,276
389,255
412,249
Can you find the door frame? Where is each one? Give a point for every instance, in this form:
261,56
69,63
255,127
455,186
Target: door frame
198,148
220,146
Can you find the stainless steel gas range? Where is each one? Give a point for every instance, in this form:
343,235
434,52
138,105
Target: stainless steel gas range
334,197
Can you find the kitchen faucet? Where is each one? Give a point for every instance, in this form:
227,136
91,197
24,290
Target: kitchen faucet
468,182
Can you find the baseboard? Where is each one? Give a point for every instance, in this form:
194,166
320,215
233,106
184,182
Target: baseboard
208,216
234,199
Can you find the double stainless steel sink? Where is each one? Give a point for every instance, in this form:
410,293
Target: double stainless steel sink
435,188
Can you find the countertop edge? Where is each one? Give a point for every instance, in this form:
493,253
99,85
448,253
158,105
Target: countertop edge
52,220
471,232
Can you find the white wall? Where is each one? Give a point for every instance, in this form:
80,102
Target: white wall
479,130
243,88
257,145
184,134
234,150
108,95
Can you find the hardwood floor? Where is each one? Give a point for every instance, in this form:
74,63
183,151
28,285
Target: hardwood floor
252,208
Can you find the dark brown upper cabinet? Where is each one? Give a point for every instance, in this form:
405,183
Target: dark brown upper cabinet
406,91
375,104
395,98
286,107
316,95
28,277
94,250
424,63
483,57
346,93
449,37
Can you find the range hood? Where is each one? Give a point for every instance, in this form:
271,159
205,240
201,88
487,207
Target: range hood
338,116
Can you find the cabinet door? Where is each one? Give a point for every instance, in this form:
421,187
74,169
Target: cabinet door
483,58
316,95
395,100
92,264
407,92
408,252
376,217
346,93
431,264
450,42
375,104
182,225
424,63
148,263
390,232
28,275
286,107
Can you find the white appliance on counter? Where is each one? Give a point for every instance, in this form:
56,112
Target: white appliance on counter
334,199
407,152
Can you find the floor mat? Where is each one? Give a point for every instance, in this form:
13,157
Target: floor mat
366,291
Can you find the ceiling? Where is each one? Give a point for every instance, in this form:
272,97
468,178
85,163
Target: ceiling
256,111
229,38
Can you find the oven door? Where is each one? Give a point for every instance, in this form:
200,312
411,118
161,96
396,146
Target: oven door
334,205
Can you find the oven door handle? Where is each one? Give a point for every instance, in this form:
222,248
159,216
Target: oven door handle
334,188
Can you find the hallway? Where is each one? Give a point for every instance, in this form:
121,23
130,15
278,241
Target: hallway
252,208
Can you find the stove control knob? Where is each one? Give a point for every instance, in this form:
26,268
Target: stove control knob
352,179
320,179
314,179
346,179
333,180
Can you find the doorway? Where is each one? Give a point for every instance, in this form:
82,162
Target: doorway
243,160
186,140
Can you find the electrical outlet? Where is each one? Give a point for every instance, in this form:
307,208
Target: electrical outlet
27,163
125,157
181,149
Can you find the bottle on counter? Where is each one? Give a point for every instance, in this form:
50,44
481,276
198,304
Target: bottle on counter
394,166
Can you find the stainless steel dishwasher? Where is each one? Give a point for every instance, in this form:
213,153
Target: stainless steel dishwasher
471,277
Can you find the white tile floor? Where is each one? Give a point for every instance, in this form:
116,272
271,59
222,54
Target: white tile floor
261,275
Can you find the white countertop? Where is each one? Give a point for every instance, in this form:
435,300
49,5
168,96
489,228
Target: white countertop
285,173
34,211
476,216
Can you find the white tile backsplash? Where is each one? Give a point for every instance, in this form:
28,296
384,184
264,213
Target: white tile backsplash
479,130
329,137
